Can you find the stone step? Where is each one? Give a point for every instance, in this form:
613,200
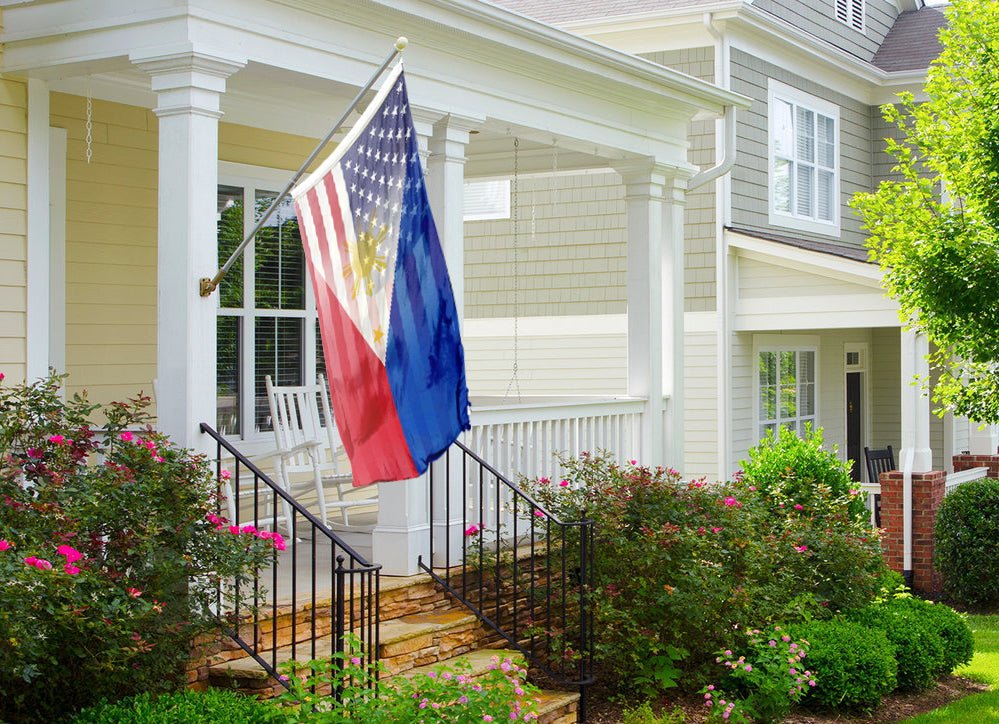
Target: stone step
558,707
480,661
405,643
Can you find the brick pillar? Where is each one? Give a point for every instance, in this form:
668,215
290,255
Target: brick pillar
927,493
966,462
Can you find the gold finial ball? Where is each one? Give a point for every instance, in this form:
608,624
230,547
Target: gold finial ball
401,42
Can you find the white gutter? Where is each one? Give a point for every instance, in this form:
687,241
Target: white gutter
907,464
728,159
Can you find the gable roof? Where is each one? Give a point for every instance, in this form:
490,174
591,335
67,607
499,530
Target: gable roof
845,251
912,42
560,11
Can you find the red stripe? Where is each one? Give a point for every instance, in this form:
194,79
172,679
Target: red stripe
362,400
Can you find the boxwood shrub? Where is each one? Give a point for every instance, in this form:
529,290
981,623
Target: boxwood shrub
919,647
214,706
967,543
951,627
854,665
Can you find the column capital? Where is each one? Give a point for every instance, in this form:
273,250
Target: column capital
186,80
649,178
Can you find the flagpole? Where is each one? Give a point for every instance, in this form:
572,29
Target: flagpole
206,285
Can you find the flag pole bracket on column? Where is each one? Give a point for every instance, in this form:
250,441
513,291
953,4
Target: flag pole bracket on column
208,285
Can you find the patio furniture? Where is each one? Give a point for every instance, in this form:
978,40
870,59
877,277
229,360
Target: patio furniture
878,461
308,446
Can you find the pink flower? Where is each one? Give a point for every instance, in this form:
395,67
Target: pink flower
56,439
71,569
133,592
752,488
749,667
544,480
355,660
43,565
34,452
157,458
225,474
632,462
234,529
730,501
248,529
801,549
4,545
279,543
563,483
30,560
264,534
539,513
126,436
715,529
70,553
2,375
486,717
472,529
799,506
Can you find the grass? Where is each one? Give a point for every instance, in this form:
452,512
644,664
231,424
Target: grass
984,667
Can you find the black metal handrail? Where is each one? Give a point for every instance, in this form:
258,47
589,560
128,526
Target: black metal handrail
352,605
519,568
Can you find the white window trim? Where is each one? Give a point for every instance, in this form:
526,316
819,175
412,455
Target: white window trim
500,213
784,343
260,178
776,89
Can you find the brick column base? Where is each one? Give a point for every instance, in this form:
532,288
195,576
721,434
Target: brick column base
927,493
966,462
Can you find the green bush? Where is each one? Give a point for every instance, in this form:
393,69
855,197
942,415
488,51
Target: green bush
680,566
854,665
214,706
919,648
110,553
953,630
967,543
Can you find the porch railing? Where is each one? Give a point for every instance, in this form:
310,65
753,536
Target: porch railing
523,438
520,569
317,571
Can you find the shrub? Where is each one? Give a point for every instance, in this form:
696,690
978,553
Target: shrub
214,706
764,682
967,543
110,553
919,648
447,694
953,630
855,665
701,559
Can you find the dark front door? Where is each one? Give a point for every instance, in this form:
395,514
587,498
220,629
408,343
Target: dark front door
853,424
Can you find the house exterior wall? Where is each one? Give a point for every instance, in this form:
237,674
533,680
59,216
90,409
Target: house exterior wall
819,19
760,280
882,162
886,388
750,188
13,228
700,421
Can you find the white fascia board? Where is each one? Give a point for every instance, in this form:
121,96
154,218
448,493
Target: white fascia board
834,319
805,260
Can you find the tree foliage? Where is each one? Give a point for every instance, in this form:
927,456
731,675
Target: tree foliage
935,227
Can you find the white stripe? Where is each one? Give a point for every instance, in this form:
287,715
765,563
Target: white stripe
315,256
337,282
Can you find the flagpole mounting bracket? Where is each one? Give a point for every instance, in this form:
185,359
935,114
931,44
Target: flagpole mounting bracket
206,286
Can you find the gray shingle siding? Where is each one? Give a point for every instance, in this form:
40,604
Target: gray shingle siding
700,211
750,188
818,18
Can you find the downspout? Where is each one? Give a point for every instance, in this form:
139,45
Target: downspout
907,465
727,162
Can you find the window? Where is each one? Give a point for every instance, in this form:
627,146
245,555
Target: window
804,161
786,389
851,12
266,318
485,200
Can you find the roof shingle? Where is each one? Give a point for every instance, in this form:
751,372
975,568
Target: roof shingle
912,42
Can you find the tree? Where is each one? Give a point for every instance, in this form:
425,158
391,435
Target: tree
935,228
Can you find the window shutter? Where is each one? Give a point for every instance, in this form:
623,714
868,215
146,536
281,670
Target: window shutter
843,11
857,14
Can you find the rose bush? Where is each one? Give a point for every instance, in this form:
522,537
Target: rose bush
112,553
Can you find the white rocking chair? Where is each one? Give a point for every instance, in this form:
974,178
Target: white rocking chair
308,444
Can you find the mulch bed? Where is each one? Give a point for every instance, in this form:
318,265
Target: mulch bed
895,707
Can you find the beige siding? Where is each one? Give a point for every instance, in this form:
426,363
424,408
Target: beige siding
886,389
13,222
700,418
574,363
110,248
257,147
760,280
571,250
743,395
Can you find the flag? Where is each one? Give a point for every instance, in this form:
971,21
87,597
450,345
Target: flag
387,315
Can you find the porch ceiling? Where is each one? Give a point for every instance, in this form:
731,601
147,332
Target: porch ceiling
304,59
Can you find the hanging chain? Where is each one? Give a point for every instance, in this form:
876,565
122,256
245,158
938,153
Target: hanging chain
514,380
90,123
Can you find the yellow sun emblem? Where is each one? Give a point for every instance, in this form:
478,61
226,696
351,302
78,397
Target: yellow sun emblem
365,260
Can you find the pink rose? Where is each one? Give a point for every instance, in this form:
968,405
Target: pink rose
4,545
71,569
563,484
126,436
71,554
133,592
472,529
56,439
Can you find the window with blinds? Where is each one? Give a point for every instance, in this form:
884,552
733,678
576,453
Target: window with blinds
485,200
851,12
786,389
266,320
804,161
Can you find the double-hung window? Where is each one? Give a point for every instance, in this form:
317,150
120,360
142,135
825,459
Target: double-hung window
266,318
804,161
786,389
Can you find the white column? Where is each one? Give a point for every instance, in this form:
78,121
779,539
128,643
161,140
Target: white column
188,86
915,454
982,439
654,195
38,312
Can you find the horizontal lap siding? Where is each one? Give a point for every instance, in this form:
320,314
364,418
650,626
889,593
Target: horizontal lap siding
743,371
884,163
700,415
759,280
572,257
886,389
14,224
750,190
819,19
111,212
699,212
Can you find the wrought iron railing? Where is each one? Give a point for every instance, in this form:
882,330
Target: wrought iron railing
520,569
315,591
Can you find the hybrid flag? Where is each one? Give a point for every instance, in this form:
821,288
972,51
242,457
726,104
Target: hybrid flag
386,310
